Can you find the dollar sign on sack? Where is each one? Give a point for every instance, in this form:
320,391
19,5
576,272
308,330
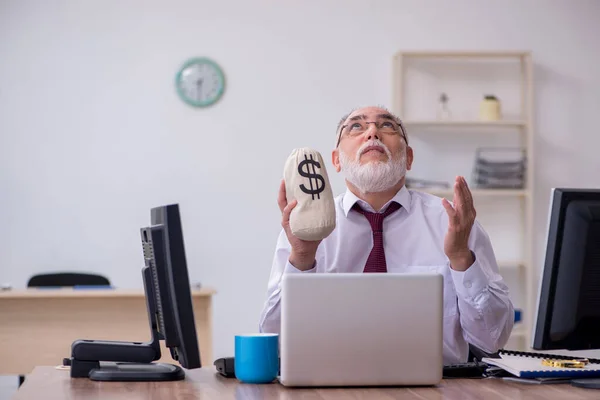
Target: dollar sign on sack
315,189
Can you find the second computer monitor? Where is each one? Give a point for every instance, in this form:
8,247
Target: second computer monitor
568,313
176,313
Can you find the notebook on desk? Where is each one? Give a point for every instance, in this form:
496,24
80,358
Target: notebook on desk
529,365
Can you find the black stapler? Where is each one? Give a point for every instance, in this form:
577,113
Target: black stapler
226,366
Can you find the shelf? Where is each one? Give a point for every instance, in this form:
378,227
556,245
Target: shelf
510,264
476,192
519,330
475,124
465,54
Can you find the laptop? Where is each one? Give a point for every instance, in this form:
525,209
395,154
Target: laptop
351,329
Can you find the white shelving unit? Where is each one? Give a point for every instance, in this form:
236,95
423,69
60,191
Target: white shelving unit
483,192
418,80
443,124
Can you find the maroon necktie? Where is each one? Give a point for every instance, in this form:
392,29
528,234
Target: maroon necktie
376,261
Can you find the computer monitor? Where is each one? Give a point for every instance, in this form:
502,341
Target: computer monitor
568,312
170,314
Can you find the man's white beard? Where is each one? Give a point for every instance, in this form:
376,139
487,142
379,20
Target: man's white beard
374,176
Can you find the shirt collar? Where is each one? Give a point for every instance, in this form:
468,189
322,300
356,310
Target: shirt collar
402,197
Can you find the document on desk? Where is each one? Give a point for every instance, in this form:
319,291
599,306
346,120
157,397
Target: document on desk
528,367
537,381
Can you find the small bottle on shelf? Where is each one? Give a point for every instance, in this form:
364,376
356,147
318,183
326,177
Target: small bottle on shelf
443,113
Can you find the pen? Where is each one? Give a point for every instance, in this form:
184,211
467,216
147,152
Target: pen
565,363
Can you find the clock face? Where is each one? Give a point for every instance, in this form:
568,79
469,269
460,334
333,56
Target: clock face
200,82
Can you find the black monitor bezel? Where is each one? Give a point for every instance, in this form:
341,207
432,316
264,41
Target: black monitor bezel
560,199
184,347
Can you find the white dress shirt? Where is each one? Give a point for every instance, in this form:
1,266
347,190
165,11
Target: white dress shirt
477,308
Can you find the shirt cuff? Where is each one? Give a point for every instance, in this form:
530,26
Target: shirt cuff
289,268
471,282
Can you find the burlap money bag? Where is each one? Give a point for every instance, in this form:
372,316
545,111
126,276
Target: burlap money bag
306,180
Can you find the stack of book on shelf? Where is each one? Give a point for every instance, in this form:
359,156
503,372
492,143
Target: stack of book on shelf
541,368
500,168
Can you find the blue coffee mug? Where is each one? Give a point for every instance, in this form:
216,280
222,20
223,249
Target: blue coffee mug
257,357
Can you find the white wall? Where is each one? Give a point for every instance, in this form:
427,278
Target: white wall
92,134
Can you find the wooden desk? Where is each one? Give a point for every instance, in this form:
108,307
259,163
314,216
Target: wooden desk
37,326
49,383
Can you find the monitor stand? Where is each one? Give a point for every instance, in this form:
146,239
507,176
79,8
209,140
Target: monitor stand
136,372
586,383
102,360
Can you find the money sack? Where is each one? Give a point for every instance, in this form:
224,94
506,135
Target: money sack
306,180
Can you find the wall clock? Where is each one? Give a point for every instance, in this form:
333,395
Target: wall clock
200,82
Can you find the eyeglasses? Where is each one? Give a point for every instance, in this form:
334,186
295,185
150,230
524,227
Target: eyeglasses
357,128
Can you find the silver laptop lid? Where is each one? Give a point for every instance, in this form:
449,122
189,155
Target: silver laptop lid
361,329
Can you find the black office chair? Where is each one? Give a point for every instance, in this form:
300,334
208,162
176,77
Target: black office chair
67,279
